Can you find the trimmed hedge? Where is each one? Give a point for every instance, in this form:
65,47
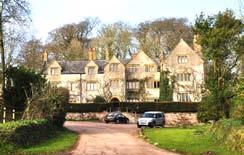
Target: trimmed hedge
138,107
26,133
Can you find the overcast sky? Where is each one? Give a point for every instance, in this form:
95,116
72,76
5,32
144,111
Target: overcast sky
50,14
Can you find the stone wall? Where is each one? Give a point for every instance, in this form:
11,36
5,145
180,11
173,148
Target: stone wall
171,119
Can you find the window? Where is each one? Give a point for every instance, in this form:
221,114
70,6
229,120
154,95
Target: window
133,85
91,86
183,77
182,59
114,83
149,68
133,69
72,86
91,70
183,97
113,67
54,71
152,84
156,100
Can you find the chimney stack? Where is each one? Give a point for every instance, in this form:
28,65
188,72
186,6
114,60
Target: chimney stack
92,54
45,56
106,55
196,46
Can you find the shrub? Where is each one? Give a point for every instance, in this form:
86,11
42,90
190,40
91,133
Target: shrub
99,99
50,105
229,132
26,133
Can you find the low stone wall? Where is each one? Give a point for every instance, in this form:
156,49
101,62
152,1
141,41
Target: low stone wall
171,119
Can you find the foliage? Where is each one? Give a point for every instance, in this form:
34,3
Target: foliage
166,89
191,140
228,132
162,35
222,47
99,99
51,104
20,82
26,133
237,111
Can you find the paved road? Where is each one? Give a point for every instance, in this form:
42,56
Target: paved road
110,139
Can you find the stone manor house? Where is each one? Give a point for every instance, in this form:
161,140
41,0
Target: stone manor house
133,80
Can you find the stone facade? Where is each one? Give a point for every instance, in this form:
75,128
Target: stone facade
131,80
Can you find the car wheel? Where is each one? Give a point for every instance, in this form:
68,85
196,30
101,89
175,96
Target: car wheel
127,121
138,126
152,125
106,121
117,121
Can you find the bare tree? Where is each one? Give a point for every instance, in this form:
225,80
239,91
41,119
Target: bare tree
117,39
161,36
30,54
11,12
71,41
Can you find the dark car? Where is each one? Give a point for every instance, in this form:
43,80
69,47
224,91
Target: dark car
116,117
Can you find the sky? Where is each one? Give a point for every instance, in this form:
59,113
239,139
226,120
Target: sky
50,14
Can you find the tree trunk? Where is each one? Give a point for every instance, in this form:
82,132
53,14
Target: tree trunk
2,51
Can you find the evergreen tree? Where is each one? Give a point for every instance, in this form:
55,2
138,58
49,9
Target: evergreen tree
238,101
166,89
222,47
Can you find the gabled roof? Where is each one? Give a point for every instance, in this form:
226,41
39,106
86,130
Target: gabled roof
78,67
182,47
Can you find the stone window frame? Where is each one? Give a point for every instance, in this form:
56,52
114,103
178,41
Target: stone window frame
114,67
91,86
91,70
182,59
54,71
183,97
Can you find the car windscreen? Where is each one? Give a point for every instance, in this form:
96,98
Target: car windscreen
149,115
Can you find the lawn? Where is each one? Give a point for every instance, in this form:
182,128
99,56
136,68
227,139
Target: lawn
63,142
191,141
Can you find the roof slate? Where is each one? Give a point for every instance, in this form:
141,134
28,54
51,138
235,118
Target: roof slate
78,67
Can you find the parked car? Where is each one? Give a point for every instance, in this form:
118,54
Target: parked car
116,117
151,119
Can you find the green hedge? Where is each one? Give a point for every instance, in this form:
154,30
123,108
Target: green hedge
26,133
138,107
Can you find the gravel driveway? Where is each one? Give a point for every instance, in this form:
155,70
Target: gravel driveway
110,139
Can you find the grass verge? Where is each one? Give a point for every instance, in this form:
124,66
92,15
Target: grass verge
190,141
64,140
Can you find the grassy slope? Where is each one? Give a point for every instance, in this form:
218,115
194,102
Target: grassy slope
64,141
189,141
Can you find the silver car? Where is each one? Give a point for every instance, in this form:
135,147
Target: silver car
151,119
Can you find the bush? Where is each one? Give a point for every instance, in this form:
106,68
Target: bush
229,132
99,99
50,105
26,133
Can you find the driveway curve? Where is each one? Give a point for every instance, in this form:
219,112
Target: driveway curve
110,139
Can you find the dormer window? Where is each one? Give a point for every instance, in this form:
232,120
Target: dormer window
91,70
113,67
54,71
182,59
